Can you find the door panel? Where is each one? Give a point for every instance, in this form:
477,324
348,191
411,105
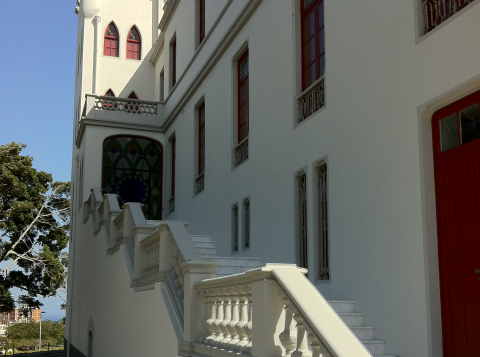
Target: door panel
457,185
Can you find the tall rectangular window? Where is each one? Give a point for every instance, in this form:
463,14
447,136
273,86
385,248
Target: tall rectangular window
246,223
162,86
173,167
174,61
201,21
313,41
243,97
201,139
322,217
235,228
302,220
171,201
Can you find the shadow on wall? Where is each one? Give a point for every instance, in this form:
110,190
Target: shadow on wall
142,81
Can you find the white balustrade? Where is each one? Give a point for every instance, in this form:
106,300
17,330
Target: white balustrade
126,105
151,249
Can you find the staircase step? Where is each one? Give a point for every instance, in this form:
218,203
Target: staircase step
342,306
363,333
205,245
209,256
233,262
223,271
352,319
210,251
201,238
375,347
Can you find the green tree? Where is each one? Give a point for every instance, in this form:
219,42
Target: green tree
25,335
34,223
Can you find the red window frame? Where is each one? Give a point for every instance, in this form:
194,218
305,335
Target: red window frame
243,103
202,20
174,62
110,41
134,44
315,13
172,147
201,139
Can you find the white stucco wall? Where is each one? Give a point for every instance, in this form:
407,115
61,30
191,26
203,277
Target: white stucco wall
373,132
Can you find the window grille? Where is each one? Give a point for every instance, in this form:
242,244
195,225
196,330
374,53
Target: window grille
246,223
235,228
323,259
302,214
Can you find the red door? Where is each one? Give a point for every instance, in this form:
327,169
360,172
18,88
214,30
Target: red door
456,139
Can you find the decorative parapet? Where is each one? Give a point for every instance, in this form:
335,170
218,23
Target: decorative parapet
311,100
241,152
243,314
134,106
200,183
437,11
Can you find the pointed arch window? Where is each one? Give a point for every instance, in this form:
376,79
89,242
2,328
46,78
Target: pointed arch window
132,96
107,103
132,169
111,41
109,93
133,44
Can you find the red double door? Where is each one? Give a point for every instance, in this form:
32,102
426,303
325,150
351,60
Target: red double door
456,139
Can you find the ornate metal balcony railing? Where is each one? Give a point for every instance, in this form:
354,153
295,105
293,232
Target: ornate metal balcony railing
125,105
311,100
200,183
241,152
437,11
171,205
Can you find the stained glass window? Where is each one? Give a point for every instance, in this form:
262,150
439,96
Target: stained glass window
132,169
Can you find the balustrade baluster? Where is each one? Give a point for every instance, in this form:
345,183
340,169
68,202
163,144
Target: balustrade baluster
227,318
242,323
207,311
302,341
234,321
213,316
288,337
317,347
219,319
248,327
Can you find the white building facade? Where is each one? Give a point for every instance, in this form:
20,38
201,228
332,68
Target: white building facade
340,137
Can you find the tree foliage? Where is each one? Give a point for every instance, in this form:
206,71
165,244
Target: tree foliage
25,335
34,223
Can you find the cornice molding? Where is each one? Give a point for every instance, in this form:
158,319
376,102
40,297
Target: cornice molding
157,48
168,12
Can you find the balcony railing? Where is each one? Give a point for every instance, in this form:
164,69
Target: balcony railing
171,205
241,152
125,105
200,183
311,100
437,11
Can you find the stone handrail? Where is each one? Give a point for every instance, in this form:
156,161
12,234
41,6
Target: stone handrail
269,311
127,105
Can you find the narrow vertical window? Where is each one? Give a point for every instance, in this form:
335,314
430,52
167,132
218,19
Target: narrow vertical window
162,86
323,259
243,97
302,218
171,202
235,228
246,223
201,139
111,41
313,42
134,44
202,20
174,62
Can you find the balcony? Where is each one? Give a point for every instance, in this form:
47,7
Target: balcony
200,183
311,100
241,152
123,112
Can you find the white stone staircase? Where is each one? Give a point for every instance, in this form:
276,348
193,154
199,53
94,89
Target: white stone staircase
228,265
354,320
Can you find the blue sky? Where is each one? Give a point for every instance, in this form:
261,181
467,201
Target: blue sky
37,72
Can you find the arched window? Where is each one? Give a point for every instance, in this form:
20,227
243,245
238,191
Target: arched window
133,44
109,93
132,169
106,103
111,41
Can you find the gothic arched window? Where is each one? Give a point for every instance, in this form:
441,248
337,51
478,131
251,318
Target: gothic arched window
132,169
133,44
111,41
